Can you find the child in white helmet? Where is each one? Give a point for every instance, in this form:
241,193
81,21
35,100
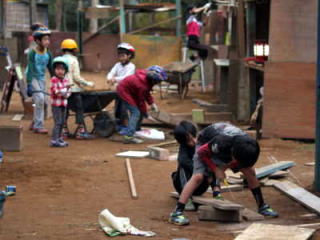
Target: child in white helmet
121,70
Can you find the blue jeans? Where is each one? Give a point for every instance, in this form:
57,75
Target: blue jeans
135,119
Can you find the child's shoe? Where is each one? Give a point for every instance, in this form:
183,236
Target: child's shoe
267,211
57,143
178,218
63,142
82,134
130,139
40,130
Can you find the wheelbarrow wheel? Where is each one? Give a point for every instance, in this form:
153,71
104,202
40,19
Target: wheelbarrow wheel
104,124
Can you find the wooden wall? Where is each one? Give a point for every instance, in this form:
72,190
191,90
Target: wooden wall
290,74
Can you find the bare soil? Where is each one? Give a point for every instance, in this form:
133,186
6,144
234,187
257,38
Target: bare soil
60,192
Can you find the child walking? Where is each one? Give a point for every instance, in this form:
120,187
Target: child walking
121,70
69,48
60,91
39,59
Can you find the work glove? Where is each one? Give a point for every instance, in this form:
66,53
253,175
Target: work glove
90,84
29,90
154,107
207,6
64,92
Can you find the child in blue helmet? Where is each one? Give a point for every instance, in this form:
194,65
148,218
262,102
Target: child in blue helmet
39,58
134,91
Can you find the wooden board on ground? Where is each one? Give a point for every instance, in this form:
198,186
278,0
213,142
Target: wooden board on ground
259,231
299,194
17,117
310,164
272,168
279,174
219,204
133,189
229,188
133,154
159,153
250,215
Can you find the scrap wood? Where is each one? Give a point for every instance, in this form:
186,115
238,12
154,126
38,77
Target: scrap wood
158,153
272,168
299,194
309,164
134,193
207,213
259,231
229,188
309,225
17,117
250,215
220,204
279,174
133,154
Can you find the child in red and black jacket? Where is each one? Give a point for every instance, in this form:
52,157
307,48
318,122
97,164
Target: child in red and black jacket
221,146
60,91
134,91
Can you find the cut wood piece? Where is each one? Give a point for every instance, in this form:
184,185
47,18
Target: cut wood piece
134,193
17,117
299,194
272,168
164,144
268,182
309,216
232,180
207,213
309,225
237,175
197,115
173,157
158,153
279,174
220,204
133,154
229,188
259,231
310,164
250,215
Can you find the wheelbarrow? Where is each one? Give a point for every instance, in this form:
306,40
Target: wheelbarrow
179,73
94,103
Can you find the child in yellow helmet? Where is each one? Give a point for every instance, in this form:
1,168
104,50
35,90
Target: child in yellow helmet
69,48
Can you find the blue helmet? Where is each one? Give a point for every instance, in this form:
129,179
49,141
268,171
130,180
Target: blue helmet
40,32
157,73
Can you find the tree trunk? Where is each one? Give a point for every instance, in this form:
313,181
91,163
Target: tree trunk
58,12
94,21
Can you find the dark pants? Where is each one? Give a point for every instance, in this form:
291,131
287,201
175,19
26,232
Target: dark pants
194,43
59,116
135,119
75,102
120,112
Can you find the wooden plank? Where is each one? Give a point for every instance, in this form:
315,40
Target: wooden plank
133,154
229,188
299,194
197,115
134,193
279,174
159,153
220,204
207,213
272,168
250,215
259,231
17,117
309,164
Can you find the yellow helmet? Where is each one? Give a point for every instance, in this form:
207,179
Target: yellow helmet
69,44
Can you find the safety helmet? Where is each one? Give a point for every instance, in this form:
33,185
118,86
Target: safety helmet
40,32
126,48
60,60
157,74
69,44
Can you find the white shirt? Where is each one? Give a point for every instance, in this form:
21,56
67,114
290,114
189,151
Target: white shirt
119,71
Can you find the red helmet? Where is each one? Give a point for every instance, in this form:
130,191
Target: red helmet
126,48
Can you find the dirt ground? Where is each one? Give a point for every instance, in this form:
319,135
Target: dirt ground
60,192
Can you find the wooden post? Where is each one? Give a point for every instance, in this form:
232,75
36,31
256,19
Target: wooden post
80,25
178,13
33,11
93,21
134,193
122,20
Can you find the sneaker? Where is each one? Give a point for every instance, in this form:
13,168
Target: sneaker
190,206
267,211
178,218
82,134
130,139
123,131
54,143
63,142
217,195
40,130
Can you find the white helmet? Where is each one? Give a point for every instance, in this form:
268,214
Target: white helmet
126,48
